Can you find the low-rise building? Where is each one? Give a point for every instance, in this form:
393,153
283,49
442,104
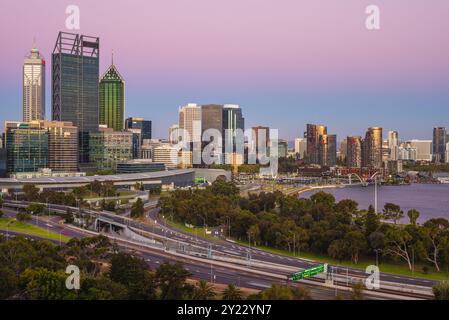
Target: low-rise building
394,166
46,172
139,165
167,155
423,149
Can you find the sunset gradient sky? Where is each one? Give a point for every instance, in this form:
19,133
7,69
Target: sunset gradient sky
286,62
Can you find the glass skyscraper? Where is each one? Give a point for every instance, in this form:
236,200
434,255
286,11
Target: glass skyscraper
112,99
140,123
439,144
26,147
75,83
232,121
212,118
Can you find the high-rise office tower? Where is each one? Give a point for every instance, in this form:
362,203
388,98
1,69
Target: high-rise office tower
261,140
301,147
137,142
372,148
282,148
447,152
233,121
75,82
173,134
313,142
26,146
62,145
112,99
212,118
354,152
145,126
393,145
190,122
343,150
439,144
33,86
327,150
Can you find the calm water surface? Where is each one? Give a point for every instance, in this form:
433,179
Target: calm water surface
431,200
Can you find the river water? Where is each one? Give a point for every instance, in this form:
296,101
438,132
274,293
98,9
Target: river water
431,200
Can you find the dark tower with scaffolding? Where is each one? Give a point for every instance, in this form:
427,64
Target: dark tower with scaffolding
75,81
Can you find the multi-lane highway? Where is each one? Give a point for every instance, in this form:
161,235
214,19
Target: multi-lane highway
226,246
198,270
158,228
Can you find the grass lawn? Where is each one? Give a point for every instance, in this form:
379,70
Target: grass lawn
200,232
29,229
387,267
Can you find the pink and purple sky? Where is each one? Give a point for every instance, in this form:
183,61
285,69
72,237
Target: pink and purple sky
286,62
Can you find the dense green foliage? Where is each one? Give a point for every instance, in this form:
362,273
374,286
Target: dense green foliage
36,270
32,194
319,225
279,292
232,293
427,168
137,209
441,291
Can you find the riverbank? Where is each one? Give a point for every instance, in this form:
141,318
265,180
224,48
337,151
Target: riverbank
320,188
430,200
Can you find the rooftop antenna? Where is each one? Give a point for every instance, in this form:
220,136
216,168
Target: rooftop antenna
112,57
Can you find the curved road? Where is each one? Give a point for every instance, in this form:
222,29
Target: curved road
160,228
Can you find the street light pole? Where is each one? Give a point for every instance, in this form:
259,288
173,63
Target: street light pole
211,277
375,194
229,226
60,237
204,223
7,229
294,243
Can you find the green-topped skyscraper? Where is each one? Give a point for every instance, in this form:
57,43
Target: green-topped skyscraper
112,99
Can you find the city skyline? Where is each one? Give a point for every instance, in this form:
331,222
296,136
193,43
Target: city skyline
290,84
241,151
